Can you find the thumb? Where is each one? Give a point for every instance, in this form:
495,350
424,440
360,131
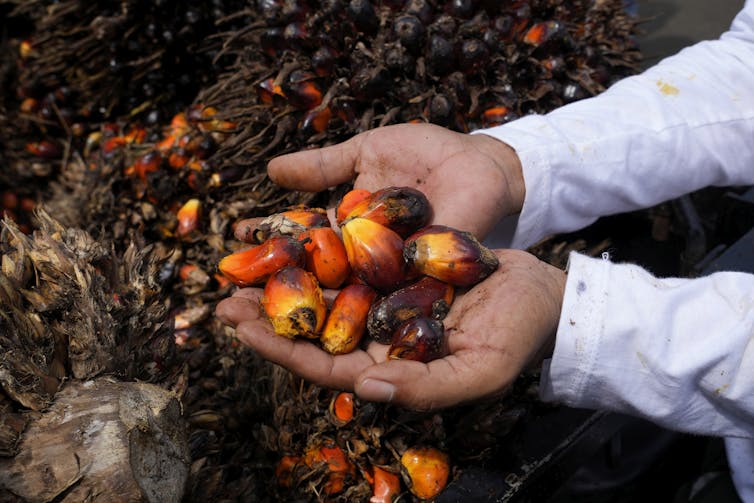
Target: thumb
317,169
422,386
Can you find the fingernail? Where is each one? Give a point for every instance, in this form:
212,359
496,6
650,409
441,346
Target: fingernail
376,391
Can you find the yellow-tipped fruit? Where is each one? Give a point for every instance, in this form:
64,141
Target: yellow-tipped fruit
450,255
347,321
375,253
294,303
425,471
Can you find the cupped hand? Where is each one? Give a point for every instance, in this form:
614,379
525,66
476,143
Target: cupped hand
472,181
494,331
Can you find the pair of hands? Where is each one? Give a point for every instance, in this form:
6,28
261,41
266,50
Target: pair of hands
494,329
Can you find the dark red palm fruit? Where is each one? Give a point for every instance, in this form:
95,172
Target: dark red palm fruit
419,339
473,55
323,61
363,16
440,55
428,297
409,30
370,83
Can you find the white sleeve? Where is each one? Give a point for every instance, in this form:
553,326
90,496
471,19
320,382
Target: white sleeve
684,124
679,352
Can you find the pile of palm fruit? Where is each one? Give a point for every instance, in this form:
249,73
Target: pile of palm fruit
134,134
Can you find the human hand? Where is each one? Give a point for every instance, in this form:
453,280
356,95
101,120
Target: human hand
471,181
494,331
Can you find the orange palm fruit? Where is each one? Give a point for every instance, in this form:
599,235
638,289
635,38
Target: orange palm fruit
428,297
253,266
189,218
401,209
347,321
294,303
342,408
179,158
45,149
386,485
375,253
540,33
450,255
291,222
348,201
419,339
325,256
147,163
425,470
316,121
337,464
285,468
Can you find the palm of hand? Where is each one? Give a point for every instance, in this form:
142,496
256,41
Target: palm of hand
494,330
465,177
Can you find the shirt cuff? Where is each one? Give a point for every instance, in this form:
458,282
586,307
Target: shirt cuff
566,376
527,136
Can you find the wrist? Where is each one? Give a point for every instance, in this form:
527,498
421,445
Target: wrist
509,164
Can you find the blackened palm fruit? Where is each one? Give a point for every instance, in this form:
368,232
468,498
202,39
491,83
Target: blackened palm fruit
323,61
370,83
428,297
440,57
272,41
461,8
398,60
420,9
363,16
409,30
472,55
441,110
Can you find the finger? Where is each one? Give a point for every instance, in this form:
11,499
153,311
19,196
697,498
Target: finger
317,169
254,294
244,229
302,357
435,385
235,310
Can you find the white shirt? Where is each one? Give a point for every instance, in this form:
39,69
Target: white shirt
679,352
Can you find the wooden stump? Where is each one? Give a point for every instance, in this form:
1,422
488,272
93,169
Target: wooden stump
102,440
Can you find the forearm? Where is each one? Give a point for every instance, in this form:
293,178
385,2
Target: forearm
685,124
676,351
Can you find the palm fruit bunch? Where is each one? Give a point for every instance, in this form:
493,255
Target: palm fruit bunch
94,96
399,273
337,468
317,72
78,324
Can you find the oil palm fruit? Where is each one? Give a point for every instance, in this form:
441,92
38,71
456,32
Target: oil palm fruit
428,297
375,253
325,256
348,201
425,470
294,303
291,223
419,339
402,209
253,266
450,255
346,323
